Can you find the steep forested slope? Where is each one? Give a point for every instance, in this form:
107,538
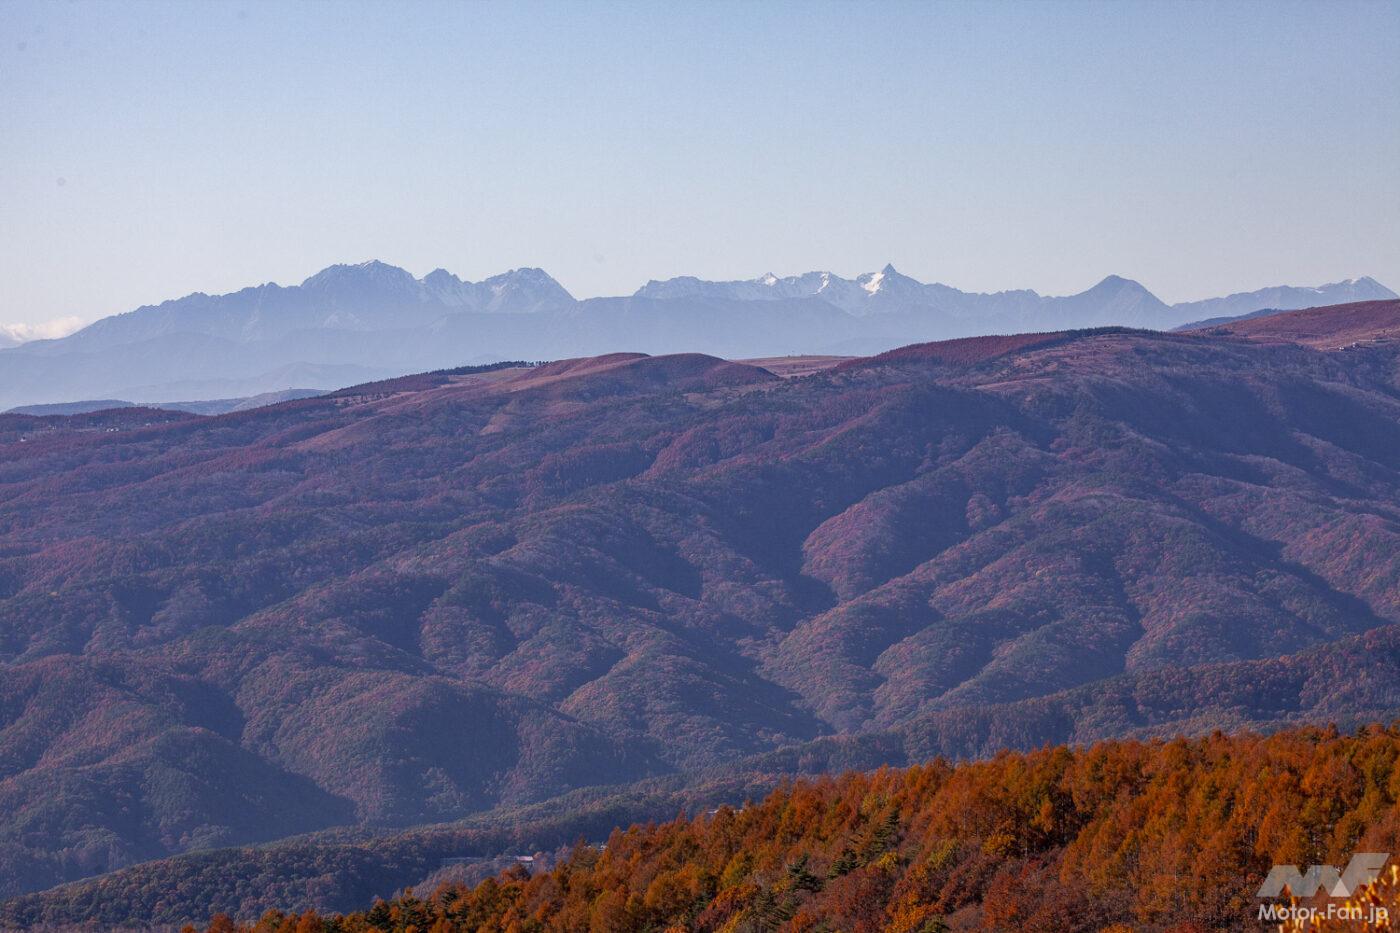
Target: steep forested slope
415,600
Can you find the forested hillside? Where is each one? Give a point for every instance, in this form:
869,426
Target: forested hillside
1117,836
416,601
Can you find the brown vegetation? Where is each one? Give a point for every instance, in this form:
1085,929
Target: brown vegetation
1122,836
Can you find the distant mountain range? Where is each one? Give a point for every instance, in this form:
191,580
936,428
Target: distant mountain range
1115,300
353,323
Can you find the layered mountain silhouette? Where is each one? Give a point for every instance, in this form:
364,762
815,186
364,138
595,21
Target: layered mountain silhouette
418,599
353,323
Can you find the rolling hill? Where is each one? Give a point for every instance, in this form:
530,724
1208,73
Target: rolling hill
417,600
1326,328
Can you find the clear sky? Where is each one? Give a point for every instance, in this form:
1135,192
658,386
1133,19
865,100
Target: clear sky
152,149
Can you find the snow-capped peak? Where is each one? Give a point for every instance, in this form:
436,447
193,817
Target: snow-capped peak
768,279
873,282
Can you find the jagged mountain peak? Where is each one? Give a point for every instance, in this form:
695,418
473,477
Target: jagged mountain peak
871,281
524,290
1118,282
1114,300
369,274
890,284
1117,289
1365,288
526,274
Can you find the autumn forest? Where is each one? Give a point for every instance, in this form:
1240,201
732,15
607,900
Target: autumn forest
1119,836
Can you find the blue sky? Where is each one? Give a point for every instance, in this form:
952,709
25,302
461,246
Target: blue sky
153,149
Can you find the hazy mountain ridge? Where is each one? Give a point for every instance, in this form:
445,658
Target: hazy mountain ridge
353,323
1114,300
1285,298
217,406
368,296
